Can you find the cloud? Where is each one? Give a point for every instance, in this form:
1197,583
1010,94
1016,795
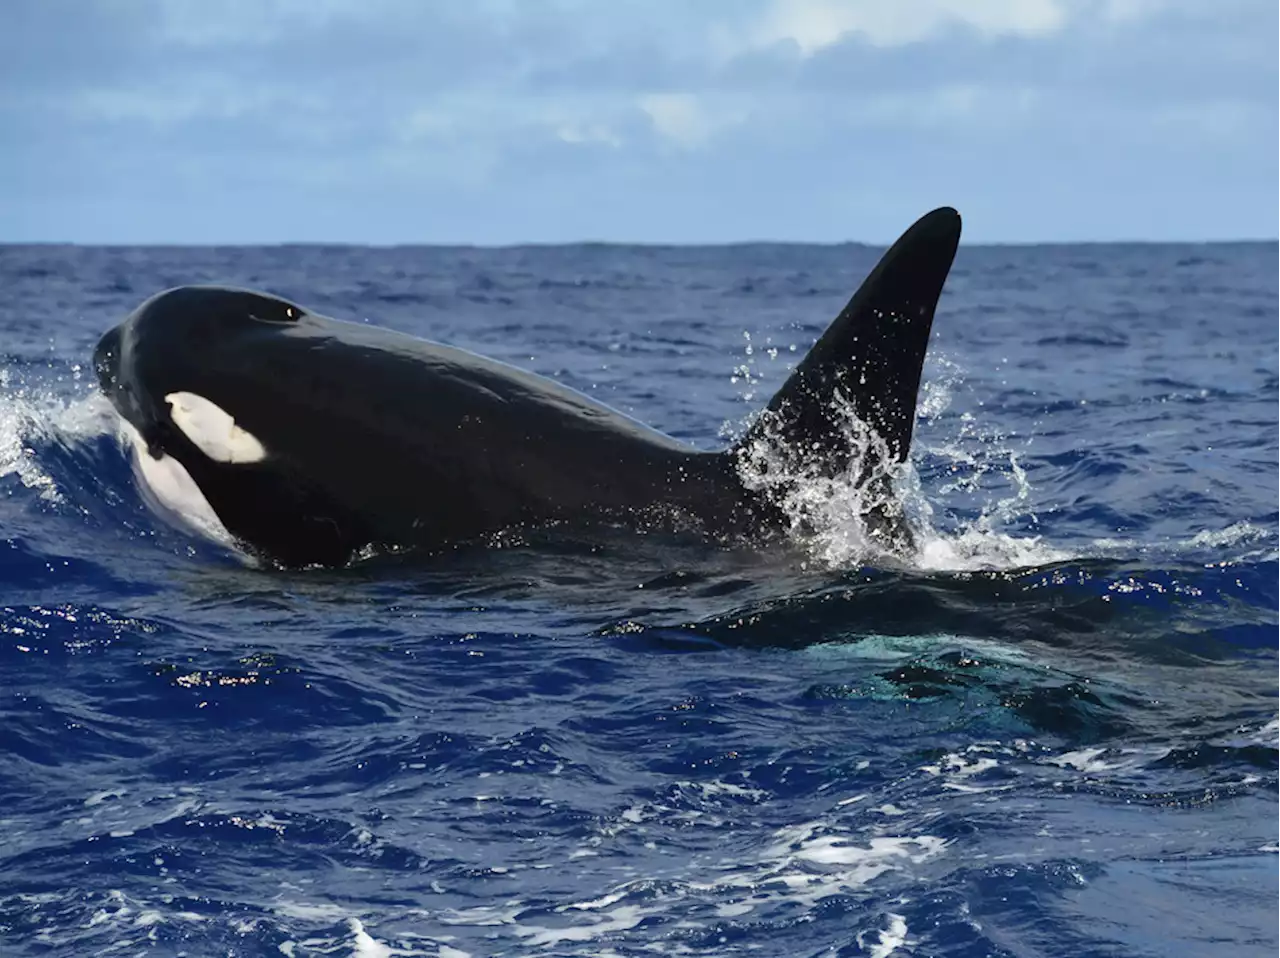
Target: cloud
646,119
689,121
814,25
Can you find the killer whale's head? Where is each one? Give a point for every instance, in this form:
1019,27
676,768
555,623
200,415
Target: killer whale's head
170,369
190,371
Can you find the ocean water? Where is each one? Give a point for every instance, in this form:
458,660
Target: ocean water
1052,730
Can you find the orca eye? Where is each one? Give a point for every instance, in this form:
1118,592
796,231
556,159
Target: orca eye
276,313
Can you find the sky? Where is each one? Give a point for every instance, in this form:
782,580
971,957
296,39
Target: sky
681,121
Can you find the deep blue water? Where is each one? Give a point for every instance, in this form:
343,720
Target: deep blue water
1053,731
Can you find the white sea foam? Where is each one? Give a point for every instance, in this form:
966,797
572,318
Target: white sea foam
1236,534
798,866
888,940
365,945
1083,759
357,941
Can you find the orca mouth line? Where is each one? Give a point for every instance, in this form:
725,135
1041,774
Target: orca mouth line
311,437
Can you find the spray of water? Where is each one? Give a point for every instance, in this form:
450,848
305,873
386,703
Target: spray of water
856,515
875,510
32,414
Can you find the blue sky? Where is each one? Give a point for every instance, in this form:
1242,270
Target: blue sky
499,121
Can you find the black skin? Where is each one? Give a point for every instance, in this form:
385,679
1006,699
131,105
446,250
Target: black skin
378,438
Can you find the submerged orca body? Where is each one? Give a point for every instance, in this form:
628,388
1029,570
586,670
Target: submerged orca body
312,438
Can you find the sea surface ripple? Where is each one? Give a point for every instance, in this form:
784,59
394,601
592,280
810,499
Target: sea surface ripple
1052,732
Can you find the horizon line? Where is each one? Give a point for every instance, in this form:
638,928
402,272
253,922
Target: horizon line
652,244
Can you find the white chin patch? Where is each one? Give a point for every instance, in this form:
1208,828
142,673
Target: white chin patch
213,430
169,488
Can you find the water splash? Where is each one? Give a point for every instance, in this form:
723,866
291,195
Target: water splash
745,373
852,516
936,391
875,510
749,375
980,543
34,415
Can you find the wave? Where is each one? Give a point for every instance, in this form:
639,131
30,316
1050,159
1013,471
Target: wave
67,490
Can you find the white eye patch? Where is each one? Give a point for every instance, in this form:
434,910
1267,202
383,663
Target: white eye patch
213,430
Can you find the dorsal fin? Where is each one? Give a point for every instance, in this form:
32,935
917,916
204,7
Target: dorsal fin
873,353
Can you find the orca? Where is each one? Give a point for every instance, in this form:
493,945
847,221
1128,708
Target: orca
314,440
